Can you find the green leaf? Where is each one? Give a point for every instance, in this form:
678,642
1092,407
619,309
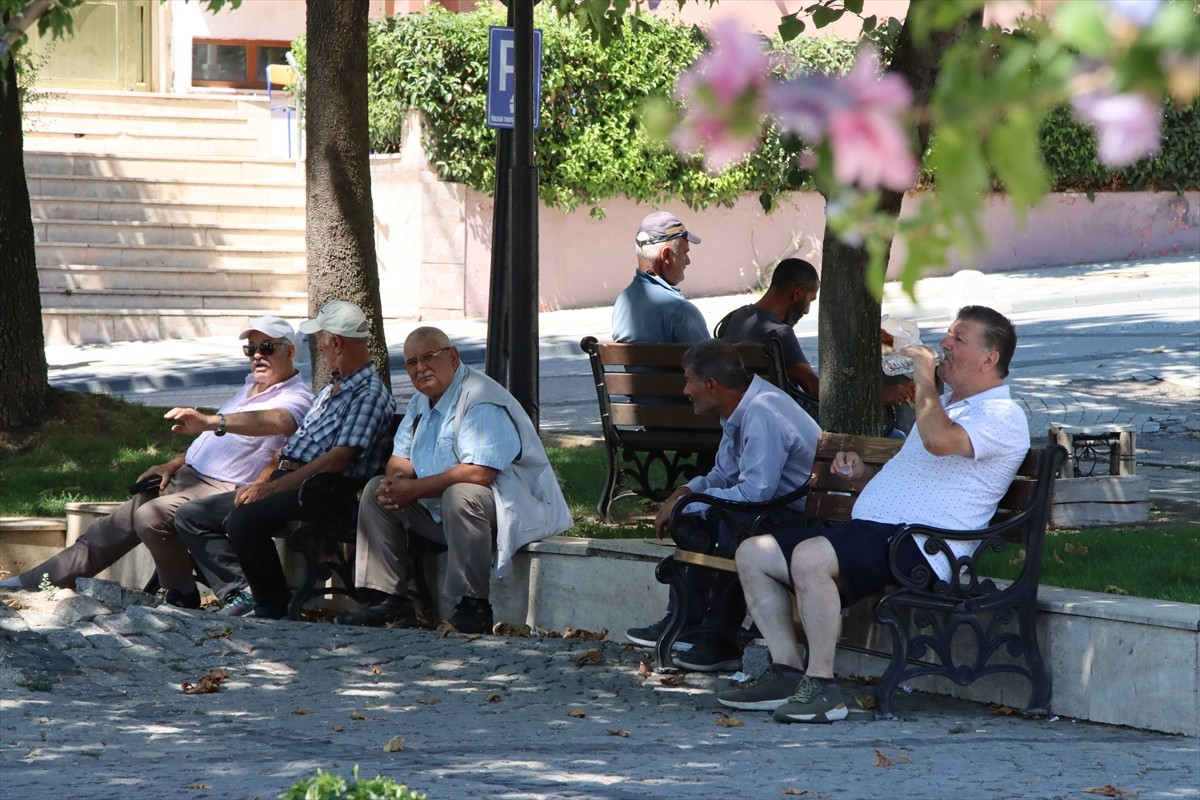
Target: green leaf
790,27
824,15
1015,150
1082,26
854,6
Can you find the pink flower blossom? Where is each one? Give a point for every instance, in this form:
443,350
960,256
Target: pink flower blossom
1127,125
723,93
859,115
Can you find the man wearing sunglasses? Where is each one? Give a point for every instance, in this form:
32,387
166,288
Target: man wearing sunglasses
651,310
233,446
231,535
467,471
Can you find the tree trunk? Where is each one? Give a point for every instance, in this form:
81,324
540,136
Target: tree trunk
848,325
22,345
340,229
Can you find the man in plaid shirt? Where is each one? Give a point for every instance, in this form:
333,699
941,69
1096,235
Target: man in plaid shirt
231,535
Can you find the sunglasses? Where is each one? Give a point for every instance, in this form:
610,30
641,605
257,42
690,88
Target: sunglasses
424,358
265,348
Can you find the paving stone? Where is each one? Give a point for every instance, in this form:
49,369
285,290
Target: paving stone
76,608
111,593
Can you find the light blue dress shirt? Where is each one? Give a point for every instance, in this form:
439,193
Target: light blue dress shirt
652,311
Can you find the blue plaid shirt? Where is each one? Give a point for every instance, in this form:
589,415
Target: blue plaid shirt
357,416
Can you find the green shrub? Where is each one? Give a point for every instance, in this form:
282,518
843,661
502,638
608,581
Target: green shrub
327,786
592,144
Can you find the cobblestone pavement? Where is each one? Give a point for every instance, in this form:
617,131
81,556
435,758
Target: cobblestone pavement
91,706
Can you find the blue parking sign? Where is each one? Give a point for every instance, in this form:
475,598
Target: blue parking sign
501,71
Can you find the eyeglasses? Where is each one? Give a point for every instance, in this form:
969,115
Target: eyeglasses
266,348
424,358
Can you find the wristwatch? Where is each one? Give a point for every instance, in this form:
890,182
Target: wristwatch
220,431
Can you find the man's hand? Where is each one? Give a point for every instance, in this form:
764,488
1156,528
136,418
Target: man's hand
164,471
253,492
395,493
896,393
664,511
189,420
848,465
924,361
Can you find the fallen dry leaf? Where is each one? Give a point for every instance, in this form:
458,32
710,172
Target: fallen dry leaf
426,618
1058,559
673,680
863,680
644,670
199,786
32,754
545,634
1001,710
1109,790
208,684
493,698
394,745
376,670
883,761
336,728
508,629
300,712
356,715
729,722
618,732
13,603
866,702
1075,549
589,658
587,636
445,628
218,633
577,713
903,759
1112,588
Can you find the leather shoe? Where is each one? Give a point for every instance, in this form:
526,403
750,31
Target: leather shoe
392,609
472,615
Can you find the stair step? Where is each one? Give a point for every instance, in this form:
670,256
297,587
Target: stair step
179,143
167,234
40,163
259,280
133,300
181,256
101,326
158,124
57,209
183,105
243,193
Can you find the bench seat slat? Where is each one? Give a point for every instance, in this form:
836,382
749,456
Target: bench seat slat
662,416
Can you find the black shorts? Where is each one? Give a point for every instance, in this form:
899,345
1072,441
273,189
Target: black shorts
862,553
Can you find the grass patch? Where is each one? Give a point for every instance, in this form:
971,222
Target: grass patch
93,446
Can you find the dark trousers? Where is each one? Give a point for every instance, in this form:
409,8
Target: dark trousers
715,597
235,546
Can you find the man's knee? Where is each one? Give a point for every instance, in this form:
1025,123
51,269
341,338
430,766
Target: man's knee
813,559
755,554
471,499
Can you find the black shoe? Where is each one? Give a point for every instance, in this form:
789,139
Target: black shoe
179,599
711,653
648,636
263,611
472,615
392,609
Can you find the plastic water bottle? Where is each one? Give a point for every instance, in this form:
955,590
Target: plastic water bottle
897,364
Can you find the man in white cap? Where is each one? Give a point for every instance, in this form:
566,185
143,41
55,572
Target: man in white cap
233,446
231,535
651,310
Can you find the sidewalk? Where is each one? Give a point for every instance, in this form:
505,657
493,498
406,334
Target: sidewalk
91,702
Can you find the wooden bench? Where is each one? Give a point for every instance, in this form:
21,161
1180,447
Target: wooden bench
654,440
924,620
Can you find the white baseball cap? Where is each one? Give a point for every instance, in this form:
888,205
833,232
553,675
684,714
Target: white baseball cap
274,327
341,318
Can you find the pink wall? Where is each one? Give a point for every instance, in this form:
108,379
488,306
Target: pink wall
587,262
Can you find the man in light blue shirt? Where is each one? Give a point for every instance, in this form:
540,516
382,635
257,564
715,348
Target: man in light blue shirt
766,451
467,470
651,310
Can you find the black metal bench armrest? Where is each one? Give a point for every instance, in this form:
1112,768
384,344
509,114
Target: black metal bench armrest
330,497
764,512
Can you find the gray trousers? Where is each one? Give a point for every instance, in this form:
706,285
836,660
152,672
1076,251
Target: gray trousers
468,529
141,518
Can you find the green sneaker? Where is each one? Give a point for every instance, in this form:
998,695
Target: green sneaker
765,693
812,702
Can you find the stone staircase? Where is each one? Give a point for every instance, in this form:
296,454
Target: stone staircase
161,216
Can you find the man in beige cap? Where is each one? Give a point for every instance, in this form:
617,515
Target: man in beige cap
651,309
233,446
231,535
